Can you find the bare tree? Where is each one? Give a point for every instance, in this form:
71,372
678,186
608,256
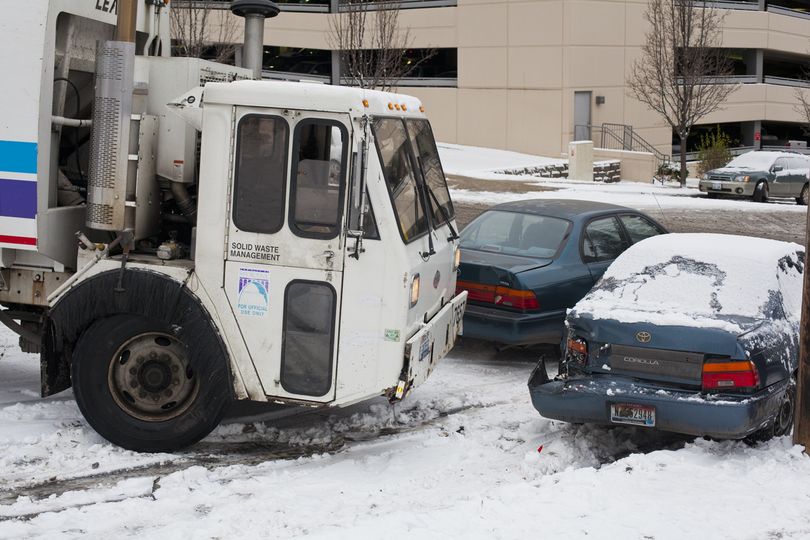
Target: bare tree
681,69
198,31
371,43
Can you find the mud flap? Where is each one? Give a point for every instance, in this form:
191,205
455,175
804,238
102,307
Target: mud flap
430,344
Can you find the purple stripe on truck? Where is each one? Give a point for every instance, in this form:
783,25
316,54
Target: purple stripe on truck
18,198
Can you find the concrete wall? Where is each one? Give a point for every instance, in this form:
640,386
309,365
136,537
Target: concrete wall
636,166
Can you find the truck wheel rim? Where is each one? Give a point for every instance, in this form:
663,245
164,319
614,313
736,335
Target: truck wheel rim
151,379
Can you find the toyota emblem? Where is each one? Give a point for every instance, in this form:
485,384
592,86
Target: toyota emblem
643,337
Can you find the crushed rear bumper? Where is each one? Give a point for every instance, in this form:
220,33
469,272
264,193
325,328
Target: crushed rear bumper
587,399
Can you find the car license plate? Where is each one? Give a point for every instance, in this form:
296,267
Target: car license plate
628,413
717,185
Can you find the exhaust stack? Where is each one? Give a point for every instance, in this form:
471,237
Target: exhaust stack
254,12
111,180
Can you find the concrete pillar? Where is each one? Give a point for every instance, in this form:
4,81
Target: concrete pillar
580,160
335,68
751,134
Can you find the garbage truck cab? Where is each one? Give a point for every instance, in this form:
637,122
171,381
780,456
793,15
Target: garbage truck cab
278,242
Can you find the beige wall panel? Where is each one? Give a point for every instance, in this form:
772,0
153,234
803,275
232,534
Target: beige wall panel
482,67
535,23
594,66
636,166
482,116
612,110
534,121
440,107
482,25
636,26
747,103
594,22
535,67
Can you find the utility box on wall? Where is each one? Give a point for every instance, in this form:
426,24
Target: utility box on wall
580,160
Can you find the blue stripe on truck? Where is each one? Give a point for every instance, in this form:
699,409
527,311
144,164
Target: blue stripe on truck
18,198
18,157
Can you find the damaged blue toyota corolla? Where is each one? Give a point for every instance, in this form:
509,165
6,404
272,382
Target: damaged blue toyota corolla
688,333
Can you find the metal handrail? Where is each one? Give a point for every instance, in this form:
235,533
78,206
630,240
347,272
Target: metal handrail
622,137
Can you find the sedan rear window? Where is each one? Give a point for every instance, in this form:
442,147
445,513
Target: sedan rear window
512,233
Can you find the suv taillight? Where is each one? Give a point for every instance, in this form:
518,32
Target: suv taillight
730,375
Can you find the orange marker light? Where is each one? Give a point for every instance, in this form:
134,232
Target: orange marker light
421,108
396,106
404,107
390,106
365,103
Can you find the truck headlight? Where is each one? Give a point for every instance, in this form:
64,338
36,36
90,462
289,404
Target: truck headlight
742,178
415,290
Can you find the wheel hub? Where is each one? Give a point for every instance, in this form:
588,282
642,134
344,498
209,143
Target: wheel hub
151,379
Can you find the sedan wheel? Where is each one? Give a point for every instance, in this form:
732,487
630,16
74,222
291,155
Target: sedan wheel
761,192
804,198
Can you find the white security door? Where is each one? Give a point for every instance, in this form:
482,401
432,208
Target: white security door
285,248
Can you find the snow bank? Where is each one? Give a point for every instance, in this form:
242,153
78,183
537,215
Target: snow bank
695,279
484,162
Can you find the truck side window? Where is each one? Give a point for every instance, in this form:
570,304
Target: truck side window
425,148
317,178
393,147
261,174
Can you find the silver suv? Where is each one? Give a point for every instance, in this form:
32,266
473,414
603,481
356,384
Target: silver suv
760,175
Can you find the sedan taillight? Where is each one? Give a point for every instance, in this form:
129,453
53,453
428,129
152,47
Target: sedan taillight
498,295
730,375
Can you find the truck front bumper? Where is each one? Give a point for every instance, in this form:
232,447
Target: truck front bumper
434,340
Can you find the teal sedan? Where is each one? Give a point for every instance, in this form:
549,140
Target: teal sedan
525,263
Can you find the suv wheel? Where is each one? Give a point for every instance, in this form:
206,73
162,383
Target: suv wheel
804,197
761,192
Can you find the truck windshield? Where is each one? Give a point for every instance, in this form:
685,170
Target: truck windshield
425,148
401,151
395,155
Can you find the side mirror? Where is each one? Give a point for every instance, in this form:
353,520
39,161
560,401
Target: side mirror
776,168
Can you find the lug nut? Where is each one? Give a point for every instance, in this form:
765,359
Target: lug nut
175,382
175,369
152,355
133,384
142,395
133,371
168,393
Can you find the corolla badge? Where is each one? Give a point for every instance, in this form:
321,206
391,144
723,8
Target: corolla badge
643,337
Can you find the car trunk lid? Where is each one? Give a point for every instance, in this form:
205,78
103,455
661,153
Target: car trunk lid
492,279
667,354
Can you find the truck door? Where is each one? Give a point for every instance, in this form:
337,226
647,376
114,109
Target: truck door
284,252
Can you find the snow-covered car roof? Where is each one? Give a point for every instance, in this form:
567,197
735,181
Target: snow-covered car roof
712,280
759,160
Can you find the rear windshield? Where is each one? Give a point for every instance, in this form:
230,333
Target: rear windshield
512,233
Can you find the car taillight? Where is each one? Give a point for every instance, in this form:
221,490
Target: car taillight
576,353
498,295
730,375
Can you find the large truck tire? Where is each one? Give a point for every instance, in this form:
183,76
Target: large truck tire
142,387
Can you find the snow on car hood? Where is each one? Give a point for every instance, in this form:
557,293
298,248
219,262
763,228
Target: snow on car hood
706,280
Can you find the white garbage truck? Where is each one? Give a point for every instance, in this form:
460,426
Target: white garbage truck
175,235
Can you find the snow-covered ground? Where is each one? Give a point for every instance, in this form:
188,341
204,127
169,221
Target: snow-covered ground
482,164
465,456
